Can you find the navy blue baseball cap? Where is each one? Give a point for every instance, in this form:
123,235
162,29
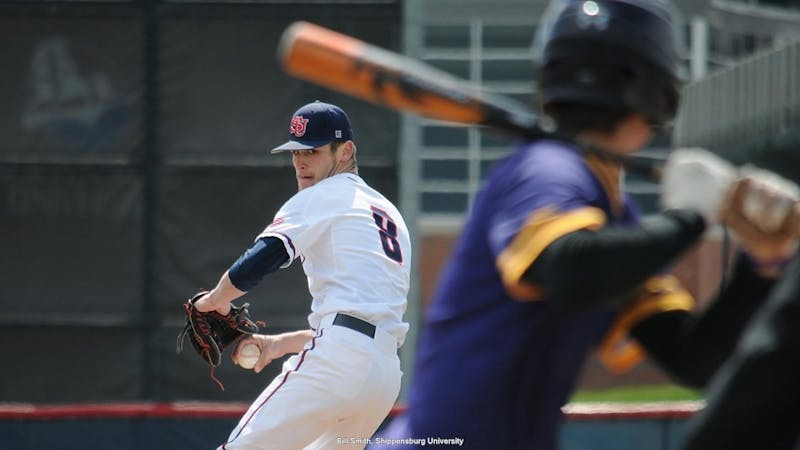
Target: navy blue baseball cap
314,125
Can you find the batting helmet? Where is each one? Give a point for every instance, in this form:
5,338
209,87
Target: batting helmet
613,54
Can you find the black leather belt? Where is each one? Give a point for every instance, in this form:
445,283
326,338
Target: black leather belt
354,323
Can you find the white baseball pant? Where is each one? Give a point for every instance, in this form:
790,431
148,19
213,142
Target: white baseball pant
334,394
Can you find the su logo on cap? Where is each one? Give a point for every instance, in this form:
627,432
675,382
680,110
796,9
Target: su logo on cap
298,126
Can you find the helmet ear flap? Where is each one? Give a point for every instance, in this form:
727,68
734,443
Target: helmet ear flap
656,98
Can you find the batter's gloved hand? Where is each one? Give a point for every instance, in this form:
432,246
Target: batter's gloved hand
762,210
210,333
696,179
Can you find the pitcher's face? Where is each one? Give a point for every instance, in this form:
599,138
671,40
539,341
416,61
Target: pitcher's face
312,166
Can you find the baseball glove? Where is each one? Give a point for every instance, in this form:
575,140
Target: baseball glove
210,333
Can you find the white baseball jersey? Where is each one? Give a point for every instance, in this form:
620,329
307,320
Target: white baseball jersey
355,250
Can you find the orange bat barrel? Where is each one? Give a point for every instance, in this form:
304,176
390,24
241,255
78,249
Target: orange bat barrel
346,64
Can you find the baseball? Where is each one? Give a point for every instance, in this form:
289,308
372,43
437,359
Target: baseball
248,356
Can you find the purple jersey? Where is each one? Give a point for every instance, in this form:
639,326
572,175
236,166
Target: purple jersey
494,367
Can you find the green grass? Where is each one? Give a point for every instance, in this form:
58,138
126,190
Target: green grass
648,393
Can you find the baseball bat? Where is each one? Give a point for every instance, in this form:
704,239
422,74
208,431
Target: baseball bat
349,65
385,78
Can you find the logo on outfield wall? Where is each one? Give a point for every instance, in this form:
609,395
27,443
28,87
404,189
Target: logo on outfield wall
70,102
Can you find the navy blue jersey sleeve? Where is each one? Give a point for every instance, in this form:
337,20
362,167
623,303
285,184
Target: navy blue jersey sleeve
265,256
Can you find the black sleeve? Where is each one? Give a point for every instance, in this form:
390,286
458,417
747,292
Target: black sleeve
585,269
691,347
752,401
